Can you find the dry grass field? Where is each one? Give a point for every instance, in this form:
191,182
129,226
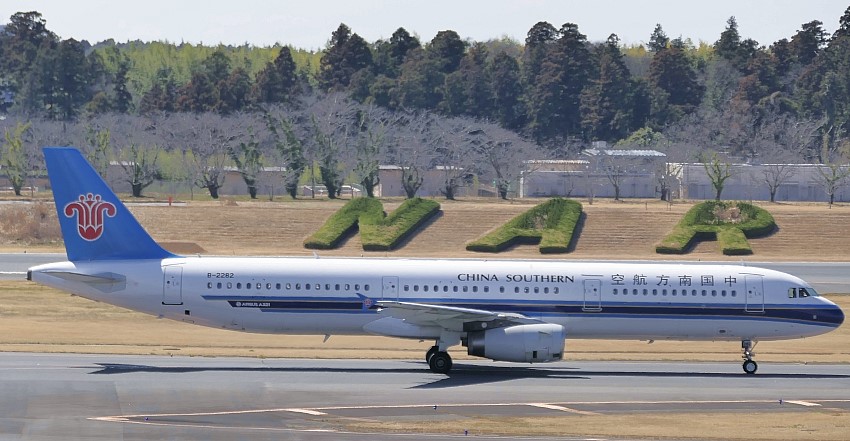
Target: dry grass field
611,230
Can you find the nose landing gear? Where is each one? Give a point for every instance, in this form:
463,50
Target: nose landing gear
750,366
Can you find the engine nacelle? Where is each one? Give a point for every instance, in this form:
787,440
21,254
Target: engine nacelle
523,343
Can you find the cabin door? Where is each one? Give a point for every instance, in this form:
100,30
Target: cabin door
755,293
172,285
389,290
592,295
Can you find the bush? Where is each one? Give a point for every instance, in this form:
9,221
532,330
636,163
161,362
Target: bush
550,224
378,232
702,223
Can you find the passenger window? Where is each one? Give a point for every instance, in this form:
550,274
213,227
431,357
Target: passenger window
415,288
545,290
336,287
209,285
555,290
288,286
536,289
277,286
516,290
615,291
229,285
347,287
445,288
714,293
218,285
327,286
297,286
475,288
655,292
526,290
366,287
268,286
425,288
248,286
501,289
239,285
357,287
465,288
454,288
486,289
406,288
307,286
734,293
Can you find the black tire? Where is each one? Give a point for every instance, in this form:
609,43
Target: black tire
440,363
750,367
431,353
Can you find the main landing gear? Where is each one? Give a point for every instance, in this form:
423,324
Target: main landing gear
439,361
750,366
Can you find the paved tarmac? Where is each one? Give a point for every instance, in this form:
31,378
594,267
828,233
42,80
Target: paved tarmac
112,397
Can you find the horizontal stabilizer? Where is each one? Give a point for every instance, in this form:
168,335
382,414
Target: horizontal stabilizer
104,282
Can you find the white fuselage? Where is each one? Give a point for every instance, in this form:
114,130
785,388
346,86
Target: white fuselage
336,295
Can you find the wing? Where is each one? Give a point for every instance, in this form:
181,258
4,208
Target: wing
450,317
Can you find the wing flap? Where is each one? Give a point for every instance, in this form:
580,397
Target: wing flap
446,317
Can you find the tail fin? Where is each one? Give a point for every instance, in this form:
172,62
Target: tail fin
95,224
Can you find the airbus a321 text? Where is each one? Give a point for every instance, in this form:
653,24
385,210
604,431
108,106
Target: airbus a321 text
504,310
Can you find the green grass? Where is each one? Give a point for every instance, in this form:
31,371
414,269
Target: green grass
551,225
702,223
378,232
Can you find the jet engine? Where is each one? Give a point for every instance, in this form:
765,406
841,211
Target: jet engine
536,343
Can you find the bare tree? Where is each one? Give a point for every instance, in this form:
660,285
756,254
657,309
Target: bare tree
248,158
832,176
288,146
206,138
135,147
412,153
333,120
718,170
374,137
450,144
504,152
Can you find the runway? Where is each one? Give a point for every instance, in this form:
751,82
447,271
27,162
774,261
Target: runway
67,396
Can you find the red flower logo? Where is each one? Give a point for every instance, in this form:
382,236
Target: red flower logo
90,211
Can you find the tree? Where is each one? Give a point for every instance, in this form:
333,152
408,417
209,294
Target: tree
199,95
277,82
288,146
718,171
501,156
136,147
249,161
832,176
807,43
671,73
15,163
658,40
389,55
556,95
447,49
505,76
371,144
345,54
332,120
606,102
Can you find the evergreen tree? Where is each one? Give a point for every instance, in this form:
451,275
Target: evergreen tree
807,43
671,73
658,40
346,54
447,49
276,83
504,73
605,103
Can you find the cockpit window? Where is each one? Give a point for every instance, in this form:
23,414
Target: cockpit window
792,293
804,292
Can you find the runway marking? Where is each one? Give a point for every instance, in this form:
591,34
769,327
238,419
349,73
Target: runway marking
13,273
803,403
307,411
562,408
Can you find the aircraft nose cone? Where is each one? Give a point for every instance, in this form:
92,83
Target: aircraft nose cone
839,316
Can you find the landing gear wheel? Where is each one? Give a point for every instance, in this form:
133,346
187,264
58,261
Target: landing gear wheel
440,363
431,352
750,367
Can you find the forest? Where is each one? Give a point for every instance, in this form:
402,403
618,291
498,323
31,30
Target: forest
479,107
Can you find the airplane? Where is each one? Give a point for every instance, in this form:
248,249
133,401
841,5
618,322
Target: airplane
503,310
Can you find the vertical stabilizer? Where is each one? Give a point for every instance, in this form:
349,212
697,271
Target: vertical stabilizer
95,224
